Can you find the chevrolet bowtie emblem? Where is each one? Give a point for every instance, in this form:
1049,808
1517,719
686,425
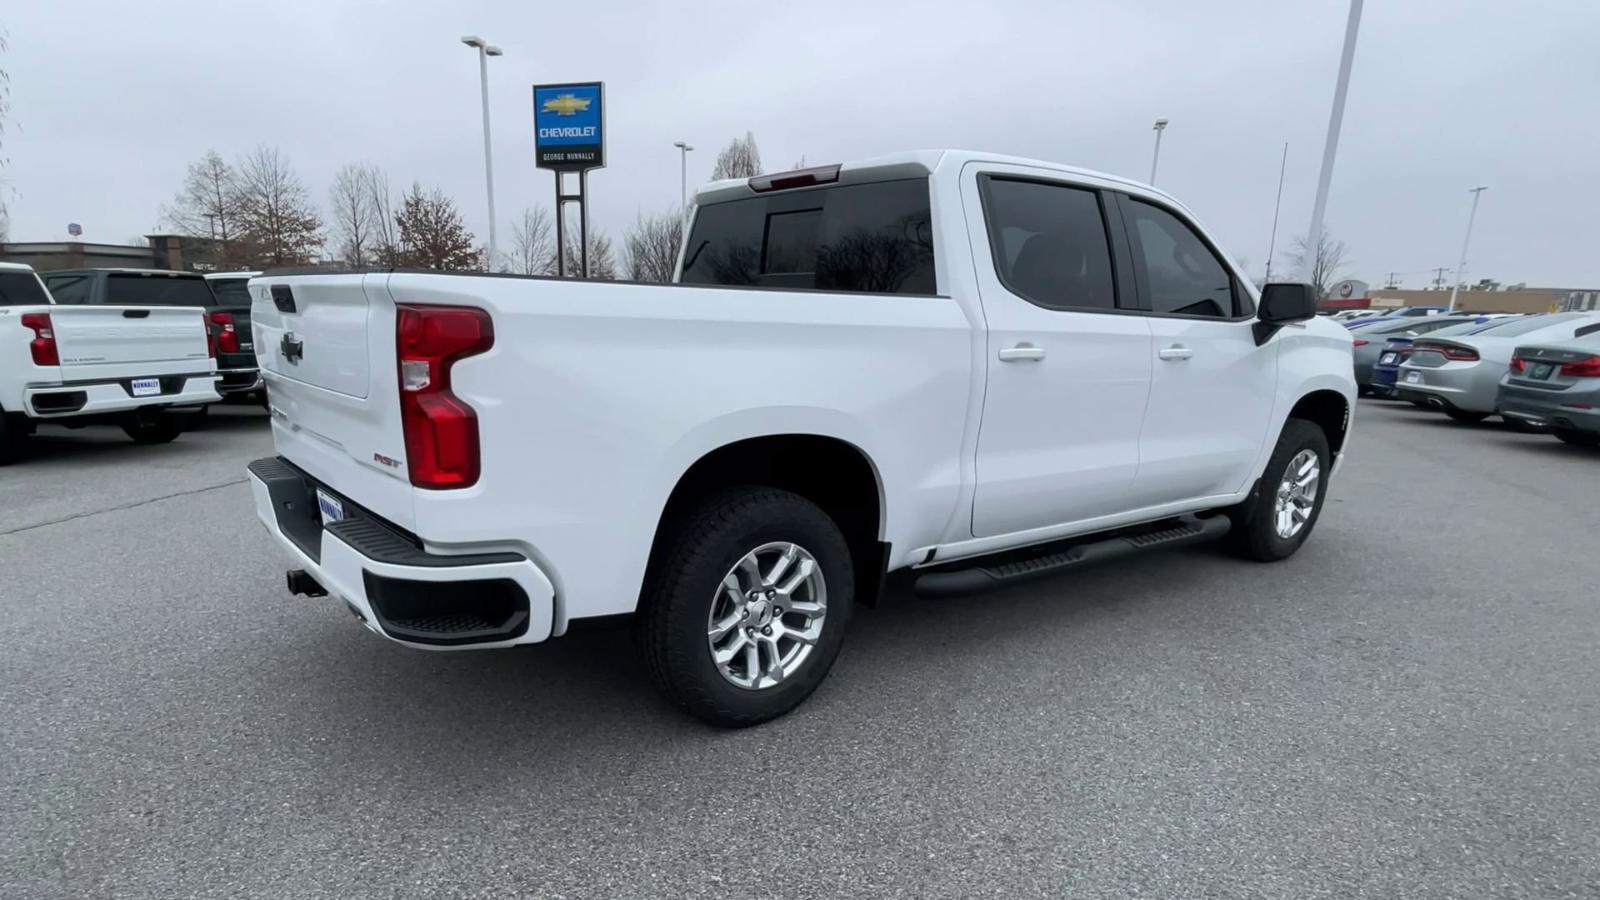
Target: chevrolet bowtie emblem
567,105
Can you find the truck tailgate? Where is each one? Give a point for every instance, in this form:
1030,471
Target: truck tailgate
324,344
117,341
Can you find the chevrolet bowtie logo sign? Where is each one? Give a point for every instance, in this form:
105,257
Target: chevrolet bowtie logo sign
567,105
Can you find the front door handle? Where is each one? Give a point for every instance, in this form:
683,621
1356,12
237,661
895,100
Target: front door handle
1021,352
1176,351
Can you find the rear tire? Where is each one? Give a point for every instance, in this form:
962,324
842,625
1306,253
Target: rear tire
1263,530
156,429
13,439
687,592
1577,438
1465,417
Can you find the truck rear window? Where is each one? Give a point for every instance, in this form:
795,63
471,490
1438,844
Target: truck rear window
157,290
22,289
866,238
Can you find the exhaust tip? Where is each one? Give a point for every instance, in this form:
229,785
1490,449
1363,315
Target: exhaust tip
301,583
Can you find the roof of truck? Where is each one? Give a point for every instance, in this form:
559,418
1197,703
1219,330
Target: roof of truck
921,163
15,267
123,270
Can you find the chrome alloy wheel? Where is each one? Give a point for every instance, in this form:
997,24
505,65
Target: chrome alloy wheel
1297,494
766,617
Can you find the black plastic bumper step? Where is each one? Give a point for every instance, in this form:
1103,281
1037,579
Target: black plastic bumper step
1004,572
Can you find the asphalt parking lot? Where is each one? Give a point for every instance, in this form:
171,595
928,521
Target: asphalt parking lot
1408,708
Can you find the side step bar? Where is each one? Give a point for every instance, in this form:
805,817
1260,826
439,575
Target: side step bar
1004,573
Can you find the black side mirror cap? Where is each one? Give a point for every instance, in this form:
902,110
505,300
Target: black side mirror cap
1281,304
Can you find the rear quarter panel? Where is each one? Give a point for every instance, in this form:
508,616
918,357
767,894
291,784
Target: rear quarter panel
597,397
17,370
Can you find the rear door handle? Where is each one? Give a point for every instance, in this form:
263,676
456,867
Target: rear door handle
1021,352
1176,351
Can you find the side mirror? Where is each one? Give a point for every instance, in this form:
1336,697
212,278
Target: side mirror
1282,304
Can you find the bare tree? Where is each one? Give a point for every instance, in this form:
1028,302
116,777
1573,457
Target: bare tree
652,246
385,236
355,221
208,203
278,224
532,246
1325,269
432,235
740,159
602,259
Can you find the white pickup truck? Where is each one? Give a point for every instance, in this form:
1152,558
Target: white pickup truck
131,366
980,368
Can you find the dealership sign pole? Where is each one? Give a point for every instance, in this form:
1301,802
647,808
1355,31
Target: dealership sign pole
569,125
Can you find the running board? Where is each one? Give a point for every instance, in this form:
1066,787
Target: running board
1004,573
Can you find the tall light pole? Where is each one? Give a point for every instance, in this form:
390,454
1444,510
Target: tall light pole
1160,126
484,52
1272,243
1335,121
683,177
1461,269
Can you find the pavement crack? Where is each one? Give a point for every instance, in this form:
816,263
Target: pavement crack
110,509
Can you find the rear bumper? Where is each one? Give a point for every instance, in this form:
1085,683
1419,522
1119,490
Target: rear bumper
1465,388
1549,408
238,381
398,588
74,399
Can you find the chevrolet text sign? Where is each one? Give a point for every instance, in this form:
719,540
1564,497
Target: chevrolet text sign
569,125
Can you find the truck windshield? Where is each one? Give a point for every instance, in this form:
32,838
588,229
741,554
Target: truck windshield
157,290
21,289
864,238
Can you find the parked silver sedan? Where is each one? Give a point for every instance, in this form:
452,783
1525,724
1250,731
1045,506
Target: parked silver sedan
1460,375
1368,340
1556,386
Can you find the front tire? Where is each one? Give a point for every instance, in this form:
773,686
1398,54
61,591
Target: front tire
745,605
156,429
1274,521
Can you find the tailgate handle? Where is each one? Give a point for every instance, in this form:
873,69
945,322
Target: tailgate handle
136,314
283,298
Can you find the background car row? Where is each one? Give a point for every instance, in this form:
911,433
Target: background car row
1538,372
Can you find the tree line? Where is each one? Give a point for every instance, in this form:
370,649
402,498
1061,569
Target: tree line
262,215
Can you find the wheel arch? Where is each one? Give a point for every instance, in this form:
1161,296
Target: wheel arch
1328,410
835,474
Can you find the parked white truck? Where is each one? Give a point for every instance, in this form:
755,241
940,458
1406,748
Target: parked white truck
132,366
980,368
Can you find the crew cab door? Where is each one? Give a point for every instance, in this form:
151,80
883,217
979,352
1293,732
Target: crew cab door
1068,368
1212,390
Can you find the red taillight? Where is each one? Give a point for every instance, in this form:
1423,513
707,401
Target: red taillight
227,335
43,345
1454,352
1358,342
1519,365
441,430
1583,368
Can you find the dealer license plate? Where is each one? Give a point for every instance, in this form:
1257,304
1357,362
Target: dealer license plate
146,387
332,508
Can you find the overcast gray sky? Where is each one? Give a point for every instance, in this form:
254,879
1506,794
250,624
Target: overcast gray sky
112,99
